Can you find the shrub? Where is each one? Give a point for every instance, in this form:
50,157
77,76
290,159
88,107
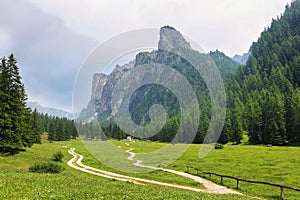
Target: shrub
10,150
219,146
51,168
58,156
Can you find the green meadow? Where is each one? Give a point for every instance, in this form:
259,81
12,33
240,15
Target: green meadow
16,182
271,164
275,164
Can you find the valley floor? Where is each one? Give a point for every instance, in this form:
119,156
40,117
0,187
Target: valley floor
210,187
17,183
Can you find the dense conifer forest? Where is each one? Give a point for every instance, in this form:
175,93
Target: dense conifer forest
263,96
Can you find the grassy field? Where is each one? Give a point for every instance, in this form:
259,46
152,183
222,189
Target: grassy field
98,147
272,164
17,183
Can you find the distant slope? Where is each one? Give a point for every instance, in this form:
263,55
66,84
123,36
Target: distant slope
242,59
49,111
226,65
265,92
103,85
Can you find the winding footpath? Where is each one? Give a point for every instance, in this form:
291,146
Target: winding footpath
210,186
76,163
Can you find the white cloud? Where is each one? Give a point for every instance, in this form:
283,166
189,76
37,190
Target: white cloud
5,42
48,37
229,25
48,52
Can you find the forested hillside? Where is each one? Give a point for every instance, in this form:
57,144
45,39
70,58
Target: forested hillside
147,95
226,65
57,128
264,95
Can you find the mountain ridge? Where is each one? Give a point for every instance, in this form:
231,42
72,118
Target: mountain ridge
47,110
241,59
262,96
170,39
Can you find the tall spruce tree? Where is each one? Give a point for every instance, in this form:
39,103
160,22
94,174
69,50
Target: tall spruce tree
253,118
52,135
36,126
294,133
15,130
236,122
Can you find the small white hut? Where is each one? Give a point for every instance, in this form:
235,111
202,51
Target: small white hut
129,139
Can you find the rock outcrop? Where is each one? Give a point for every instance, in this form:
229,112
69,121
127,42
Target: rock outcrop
103,85
242,59
171,39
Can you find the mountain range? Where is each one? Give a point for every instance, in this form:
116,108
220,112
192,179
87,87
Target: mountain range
262,94
103,85
50,111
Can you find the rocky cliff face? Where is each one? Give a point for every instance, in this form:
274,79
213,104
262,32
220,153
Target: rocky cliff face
170,39
103,85
102,88
98,83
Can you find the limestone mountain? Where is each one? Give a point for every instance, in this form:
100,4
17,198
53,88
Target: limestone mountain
262,96
170,39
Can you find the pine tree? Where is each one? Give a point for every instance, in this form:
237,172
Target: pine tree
253,116
15,130
36,126
226,132
294,134
61,130
236,122
274,117
52,132
9,139
74,130
46,122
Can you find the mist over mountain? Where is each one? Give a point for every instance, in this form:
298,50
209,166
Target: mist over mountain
50,111
242,59
225,64
170,39
262,94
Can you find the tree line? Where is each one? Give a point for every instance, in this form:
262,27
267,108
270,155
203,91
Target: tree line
20,127
58,129
263,97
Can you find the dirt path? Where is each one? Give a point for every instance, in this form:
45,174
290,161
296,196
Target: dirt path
76,163
210,186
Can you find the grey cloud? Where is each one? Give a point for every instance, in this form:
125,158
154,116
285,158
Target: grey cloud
48,53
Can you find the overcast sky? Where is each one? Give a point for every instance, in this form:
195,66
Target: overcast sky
51,38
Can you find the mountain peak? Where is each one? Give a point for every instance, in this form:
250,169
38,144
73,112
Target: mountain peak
168,27
171,39
242,59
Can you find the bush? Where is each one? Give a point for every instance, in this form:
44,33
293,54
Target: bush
51,168
58,156
10,150
219,146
